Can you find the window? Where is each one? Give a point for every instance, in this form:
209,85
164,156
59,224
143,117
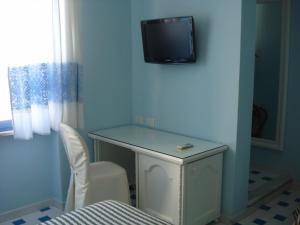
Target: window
39,61
26,28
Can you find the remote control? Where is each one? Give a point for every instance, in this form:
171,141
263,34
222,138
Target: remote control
185,146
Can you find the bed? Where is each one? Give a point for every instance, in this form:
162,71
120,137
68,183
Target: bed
106,213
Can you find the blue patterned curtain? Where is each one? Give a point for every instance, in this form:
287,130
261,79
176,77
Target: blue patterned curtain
39,94
42,83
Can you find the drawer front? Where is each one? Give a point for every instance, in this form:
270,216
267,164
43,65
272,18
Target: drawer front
159,188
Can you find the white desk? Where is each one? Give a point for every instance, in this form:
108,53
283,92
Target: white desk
182,187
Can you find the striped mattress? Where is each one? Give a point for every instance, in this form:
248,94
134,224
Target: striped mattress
106,213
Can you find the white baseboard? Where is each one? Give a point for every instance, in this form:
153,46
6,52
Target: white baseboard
57,204
15,213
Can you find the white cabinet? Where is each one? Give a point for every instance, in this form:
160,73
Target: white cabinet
188,194
182,187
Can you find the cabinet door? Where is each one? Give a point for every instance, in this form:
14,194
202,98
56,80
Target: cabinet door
202,190
159,188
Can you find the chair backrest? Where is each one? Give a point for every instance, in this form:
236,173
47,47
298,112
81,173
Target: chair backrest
77,152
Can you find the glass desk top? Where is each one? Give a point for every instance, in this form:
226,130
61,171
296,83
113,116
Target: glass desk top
156,140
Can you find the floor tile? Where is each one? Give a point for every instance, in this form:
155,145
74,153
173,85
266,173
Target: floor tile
44,209
18,222
44,218
259,221
41,215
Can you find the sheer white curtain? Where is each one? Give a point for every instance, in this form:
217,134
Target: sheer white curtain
67,53
43,60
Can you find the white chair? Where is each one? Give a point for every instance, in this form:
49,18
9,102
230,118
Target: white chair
91,182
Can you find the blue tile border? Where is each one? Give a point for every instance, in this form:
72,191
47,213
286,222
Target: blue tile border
265,207
255,172
19,222
44,218
259,221
283,204
267,178
286,193
44,209
280,217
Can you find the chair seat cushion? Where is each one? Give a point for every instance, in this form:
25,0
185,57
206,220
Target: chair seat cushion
107,181
103,169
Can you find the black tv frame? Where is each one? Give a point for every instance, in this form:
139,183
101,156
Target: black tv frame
191,59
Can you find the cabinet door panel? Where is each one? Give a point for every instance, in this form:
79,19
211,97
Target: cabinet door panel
202,195
159,188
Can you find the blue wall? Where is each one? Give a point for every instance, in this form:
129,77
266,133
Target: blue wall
210,99
26,171
246,80
288,160
200,99
106,55
36,170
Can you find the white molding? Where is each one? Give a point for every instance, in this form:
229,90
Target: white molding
278,143
15,213
57,204
7,133
266,1
265,143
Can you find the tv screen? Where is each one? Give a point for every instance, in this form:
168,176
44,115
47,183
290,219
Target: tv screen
169,40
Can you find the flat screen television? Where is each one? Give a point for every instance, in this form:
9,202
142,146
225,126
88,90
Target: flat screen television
169,40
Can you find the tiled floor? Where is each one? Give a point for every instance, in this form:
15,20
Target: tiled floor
278,211
259,178
39,216
263,181
47,213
